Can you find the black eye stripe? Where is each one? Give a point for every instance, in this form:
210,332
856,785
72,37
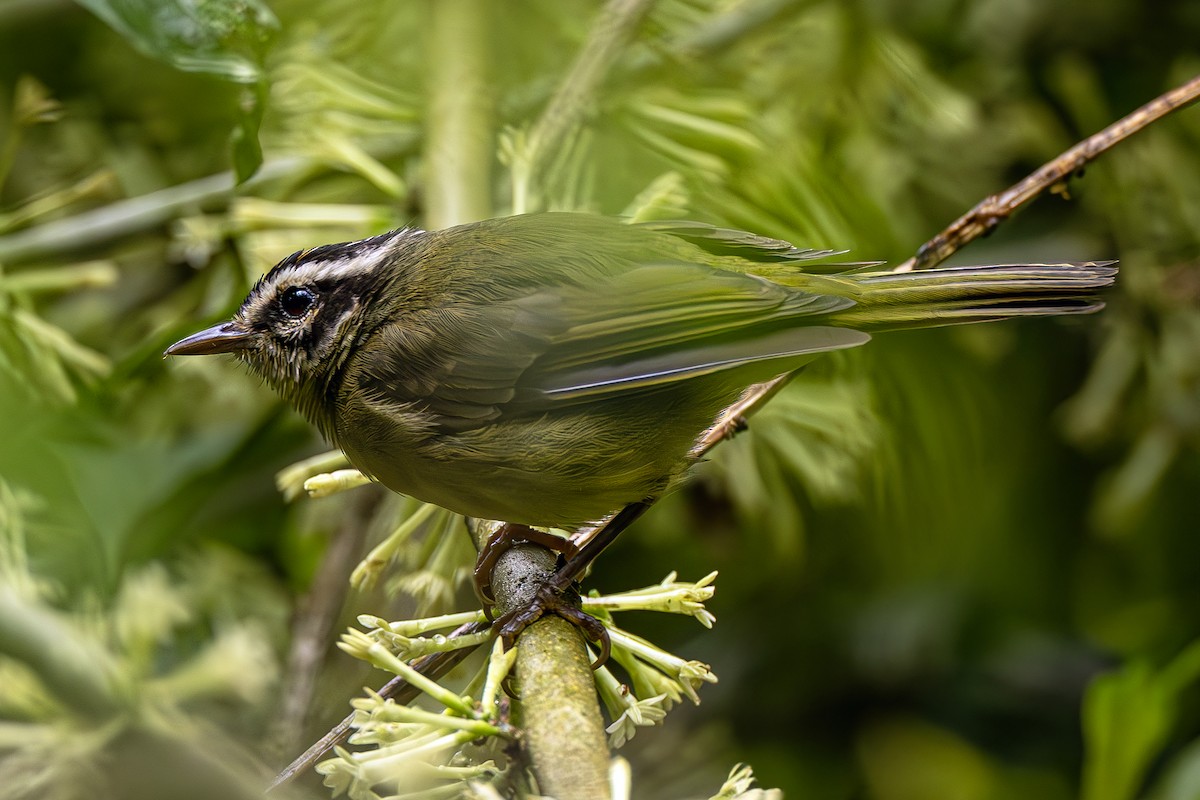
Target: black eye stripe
296,301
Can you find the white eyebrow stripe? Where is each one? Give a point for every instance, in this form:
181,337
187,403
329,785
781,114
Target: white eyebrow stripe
334,269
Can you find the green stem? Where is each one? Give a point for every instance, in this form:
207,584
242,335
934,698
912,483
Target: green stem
290,480
381,555
574,99
381,657
90,274
459,141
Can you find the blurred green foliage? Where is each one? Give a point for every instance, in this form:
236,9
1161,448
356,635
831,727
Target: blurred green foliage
958,564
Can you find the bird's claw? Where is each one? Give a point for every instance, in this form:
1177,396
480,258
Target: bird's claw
508,536
549,600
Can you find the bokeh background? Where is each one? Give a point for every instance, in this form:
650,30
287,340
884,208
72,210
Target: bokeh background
960,563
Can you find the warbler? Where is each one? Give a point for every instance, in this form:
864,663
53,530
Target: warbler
548,369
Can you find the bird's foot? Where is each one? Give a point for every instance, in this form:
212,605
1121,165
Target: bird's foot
508,536
550,600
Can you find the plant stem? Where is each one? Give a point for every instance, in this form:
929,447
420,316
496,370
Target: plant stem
459,143
574,98
138,214
316,620
994,209
559,709
75,671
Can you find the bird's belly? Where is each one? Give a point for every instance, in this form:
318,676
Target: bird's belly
560,469
520,487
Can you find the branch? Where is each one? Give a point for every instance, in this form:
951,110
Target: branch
316,619
991,211
558,709
980,220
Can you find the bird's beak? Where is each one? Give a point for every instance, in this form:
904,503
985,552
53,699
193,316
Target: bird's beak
228,337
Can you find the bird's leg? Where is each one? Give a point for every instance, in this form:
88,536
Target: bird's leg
508,536
557,595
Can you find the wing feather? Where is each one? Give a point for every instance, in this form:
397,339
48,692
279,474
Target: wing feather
649,327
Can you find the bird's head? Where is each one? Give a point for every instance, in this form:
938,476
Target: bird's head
302,320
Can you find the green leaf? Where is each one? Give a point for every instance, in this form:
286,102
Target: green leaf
243,139
223,38
1127,716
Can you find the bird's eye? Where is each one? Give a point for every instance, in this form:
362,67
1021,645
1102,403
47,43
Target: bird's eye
297,301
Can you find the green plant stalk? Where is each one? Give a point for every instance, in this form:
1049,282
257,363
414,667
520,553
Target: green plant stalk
330,483
377,765
139,214
422,646
459,143
500,664
367,571
448,722
290,480
415,627
381,657
93,185
88,275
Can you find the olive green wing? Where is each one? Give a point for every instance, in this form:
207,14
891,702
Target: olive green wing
649,328
666,323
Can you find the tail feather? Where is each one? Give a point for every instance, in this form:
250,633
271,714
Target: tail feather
956,295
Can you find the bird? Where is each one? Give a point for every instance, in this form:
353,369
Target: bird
547,369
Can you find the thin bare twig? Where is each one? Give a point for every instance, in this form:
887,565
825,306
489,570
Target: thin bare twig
316,617
984,217
980,220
